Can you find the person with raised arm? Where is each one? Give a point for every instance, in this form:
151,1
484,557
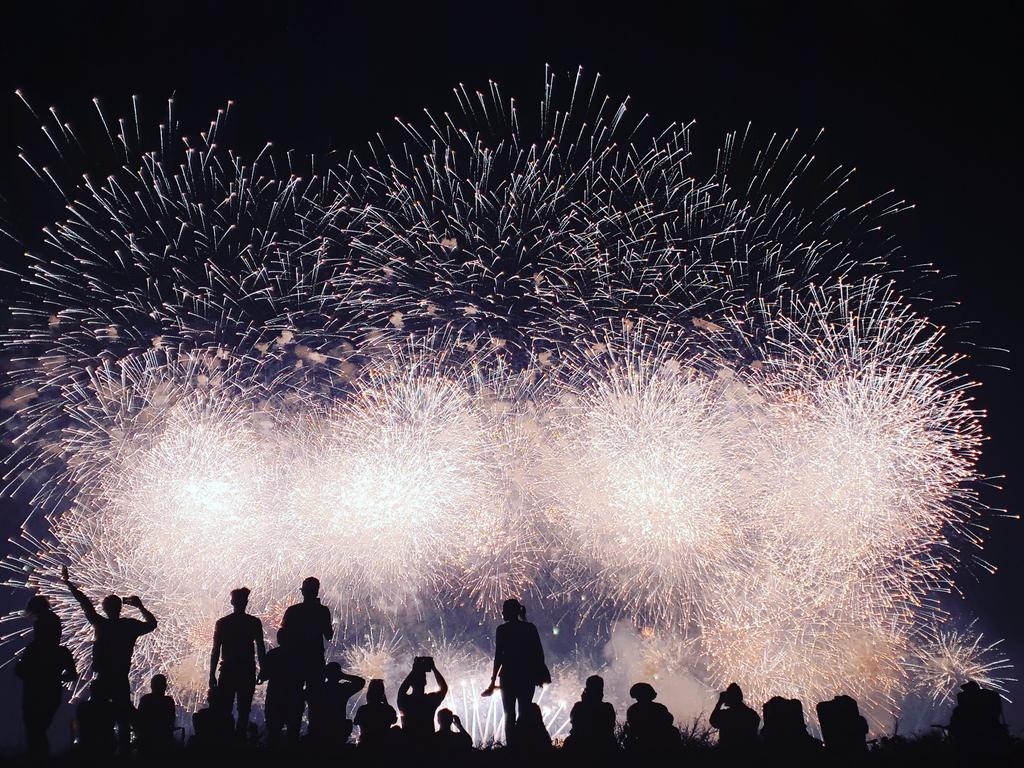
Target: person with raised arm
114,638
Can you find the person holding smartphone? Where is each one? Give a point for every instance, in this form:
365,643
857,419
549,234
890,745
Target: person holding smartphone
416,705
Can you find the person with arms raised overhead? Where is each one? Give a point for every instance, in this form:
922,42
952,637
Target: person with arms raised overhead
416,705
237,643
307,627
112,649
519,661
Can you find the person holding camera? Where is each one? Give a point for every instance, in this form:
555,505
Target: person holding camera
416,705
112,649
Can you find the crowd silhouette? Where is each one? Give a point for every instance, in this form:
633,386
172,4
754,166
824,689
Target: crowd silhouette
306,692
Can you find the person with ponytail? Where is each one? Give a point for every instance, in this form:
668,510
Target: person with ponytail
518,662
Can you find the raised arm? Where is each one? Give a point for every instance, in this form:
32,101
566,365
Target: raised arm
148,619
356,681
441,683
403,694
215,655
83,600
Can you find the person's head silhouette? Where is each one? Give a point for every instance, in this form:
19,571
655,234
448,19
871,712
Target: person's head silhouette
240,599
513,610
593,690
375,692
643,692
112,606
311,587
37,605
158,685
445,718
733,695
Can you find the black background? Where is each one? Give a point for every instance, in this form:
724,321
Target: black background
917,98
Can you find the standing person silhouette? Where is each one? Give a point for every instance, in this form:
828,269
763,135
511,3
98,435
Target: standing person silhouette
45,623
112,648
416,705
44,667
307,626
519,661
237,642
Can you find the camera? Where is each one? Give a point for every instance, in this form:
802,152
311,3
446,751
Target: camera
423,663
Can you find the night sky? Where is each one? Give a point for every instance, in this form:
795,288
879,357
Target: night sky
918,101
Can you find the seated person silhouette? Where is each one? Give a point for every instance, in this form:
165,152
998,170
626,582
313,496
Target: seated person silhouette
736,722
416,705
529,735
650,727
592,720
330,724
44,667
448,744
283,707
785,730
375,718
94,721
843,729
977,725
154,718
213,726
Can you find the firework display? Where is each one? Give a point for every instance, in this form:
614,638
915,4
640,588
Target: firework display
566,363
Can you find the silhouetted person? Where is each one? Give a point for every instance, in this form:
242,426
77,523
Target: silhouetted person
154,719
416,705
449,745
736,722
976,726
592,732
843,729
518,660
95,719
283,706
785,731
44,667
375,718
213,726
650,728
237,642
308,626
331,725
112,648
529,736
45,623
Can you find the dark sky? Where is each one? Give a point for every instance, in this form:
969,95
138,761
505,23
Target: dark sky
918,100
